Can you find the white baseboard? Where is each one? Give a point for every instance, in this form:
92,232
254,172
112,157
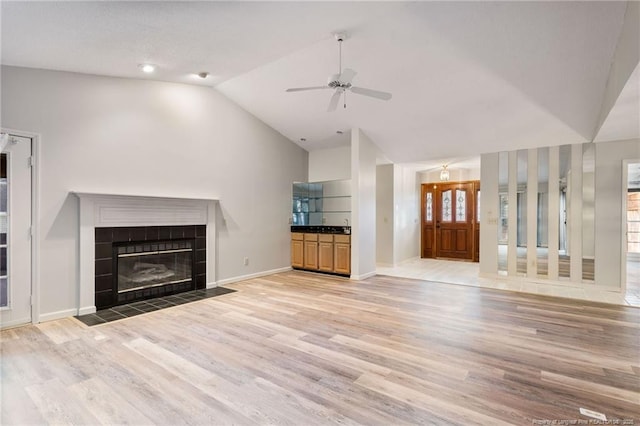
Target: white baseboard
62,314
250,276
363,276
86,310
15,323
212,285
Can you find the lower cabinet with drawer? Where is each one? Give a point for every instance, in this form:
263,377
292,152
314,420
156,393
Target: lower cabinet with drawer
297,250
330,253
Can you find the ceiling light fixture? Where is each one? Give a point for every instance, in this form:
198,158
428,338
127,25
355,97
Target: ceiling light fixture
147,68
444,173
203,75
303,139
339,132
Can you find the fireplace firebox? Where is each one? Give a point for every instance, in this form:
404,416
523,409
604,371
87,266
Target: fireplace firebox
142,266
138,263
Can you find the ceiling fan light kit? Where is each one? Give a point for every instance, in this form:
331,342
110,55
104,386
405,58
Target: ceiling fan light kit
341,83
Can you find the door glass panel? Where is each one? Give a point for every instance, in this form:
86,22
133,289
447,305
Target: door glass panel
503,211
633,212
4,187
478,206
542,231
428,208
461,205
447,206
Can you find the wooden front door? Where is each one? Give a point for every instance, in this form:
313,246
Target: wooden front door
449,220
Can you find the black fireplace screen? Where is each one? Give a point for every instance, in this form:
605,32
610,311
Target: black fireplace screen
142,266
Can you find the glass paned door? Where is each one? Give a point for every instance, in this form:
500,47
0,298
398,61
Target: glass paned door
15,238
454,223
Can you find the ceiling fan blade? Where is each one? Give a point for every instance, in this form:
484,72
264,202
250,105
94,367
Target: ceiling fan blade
370,92
301,89
347,75
333,103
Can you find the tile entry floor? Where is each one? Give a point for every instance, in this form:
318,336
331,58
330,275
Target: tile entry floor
150,305
468,274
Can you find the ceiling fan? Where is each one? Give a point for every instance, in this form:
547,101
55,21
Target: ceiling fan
341,83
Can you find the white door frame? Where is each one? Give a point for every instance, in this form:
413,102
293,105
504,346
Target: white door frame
624,246
35,214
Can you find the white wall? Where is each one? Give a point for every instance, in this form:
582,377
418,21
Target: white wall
384,215
330,164
363,200
406,196
114,135
608,208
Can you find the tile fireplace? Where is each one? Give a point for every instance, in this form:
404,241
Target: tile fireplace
149,242
138,263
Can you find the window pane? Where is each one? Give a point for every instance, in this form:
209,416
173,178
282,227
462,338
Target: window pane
4,284
461,205
503,211
446,206
542,227
521,208
564,259
429,207
3,292
478,206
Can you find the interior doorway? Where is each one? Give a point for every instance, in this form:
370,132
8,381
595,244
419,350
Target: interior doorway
15,231
631,227
450,220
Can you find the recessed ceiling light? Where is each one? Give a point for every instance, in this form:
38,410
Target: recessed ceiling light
148,68
339,132
203,75
303,139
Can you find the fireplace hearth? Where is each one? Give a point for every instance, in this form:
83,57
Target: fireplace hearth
138,263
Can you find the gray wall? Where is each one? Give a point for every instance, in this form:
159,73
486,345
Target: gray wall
384,215
113,135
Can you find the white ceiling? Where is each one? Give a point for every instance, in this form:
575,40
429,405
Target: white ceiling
466,77
623,121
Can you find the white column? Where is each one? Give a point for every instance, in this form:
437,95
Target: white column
512,254
554,211
575,219
532,213
489,213
86,258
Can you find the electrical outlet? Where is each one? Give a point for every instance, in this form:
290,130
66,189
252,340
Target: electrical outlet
246,261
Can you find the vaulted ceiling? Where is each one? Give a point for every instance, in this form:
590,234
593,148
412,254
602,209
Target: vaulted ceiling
466,77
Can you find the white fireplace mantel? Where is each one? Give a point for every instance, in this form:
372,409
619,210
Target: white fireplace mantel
113,210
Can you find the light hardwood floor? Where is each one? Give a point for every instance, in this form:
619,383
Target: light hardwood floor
300,348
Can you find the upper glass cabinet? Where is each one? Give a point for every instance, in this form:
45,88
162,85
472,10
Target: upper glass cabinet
321,203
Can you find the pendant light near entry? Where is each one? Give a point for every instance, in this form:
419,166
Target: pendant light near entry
444,173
